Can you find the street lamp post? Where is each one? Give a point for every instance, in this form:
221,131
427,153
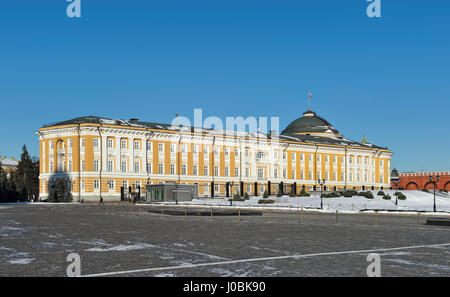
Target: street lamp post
434,190
396,182
321,183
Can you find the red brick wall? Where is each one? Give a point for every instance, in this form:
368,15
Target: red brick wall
421,180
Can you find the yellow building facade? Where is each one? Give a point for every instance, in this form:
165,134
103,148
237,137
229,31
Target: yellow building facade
99,157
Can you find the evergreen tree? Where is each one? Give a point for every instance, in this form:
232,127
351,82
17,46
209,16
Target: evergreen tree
59,191
26,177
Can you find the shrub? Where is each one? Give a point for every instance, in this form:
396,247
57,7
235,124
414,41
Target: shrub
401,196
265,195
330,195
265,201
367,194
425,190
279,194
381,193
387,197
292,193
236,197
349,193
303,193
246,196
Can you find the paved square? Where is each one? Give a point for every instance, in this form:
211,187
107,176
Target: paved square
36,239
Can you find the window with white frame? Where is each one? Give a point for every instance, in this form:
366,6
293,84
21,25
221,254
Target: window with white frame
83,143
195,170
226,171
205,170
70,143
111,184
247,172
183,169
123,166
136,145
70,166
83,167
275,173
284,173
293,174
95,142
149,146
160,147
195,149
161,168
136,167
227,152
302,174
149,167
172,168
172,148
216,170
110,143
310,175
96,184
125,184
110,165
123,144
236,171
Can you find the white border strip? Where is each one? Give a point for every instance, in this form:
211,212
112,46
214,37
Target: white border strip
263,259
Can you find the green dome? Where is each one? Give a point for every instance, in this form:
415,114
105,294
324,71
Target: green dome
310,123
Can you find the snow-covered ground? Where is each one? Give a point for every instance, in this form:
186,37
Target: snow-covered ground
415,201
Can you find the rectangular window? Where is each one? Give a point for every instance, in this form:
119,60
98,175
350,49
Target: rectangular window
136,145
70,165
70,143
206,150
302,157
216,151
195,170
82,184
83,141
310,157
226,171
293,174
161,168
83,168
275,173
110,143
236,171
149,146
136,167
284,155
172,168
125,184
111,184
302,174
96,184
247,172
227,152
51,144
205,171
284,173
310,175
95,142
195,149
293,157
96,166
149,168
110,165
216,170
123,144
123,166
183,169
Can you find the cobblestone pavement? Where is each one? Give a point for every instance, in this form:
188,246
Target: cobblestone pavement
35,240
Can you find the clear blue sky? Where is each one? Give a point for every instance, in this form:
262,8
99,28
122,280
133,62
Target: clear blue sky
387,78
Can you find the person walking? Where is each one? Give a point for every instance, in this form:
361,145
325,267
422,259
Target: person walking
101,201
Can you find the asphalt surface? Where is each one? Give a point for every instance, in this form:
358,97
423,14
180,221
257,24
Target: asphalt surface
35,240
